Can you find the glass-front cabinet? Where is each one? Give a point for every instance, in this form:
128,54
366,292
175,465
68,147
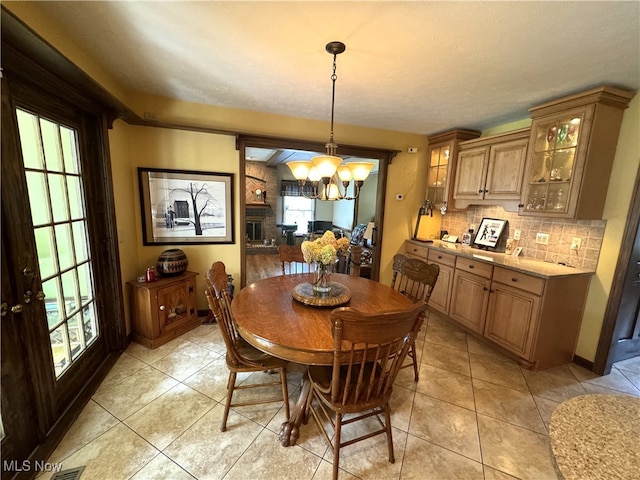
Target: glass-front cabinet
443,150
554,156
571,150
437,175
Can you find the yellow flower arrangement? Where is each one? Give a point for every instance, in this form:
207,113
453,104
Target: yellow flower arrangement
325,249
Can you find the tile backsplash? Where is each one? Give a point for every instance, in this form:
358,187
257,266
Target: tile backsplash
561,232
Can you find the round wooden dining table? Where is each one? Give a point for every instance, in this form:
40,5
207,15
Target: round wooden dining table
271,319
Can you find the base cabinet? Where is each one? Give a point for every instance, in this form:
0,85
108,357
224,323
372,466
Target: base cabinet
441,295
163,310
511,318
531,317
469,298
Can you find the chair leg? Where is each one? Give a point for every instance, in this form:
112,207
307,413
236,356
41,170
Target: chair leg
231,383
336,446
387,416
414,357
285,390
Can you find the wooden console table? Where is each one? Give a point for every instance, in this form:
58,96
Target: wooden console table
164,309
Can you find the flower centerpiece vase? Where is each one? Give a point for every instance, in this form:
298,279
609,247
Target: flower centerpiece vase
323,253
322,283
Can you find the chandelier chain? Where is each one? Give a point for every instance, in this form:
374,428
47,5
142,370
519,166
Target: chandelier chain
332,146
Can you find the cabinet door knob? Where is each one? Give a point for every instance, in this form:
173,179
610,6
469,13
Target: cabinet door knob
485,289
480,191
470,267
439,257
521,205
514,279
162,307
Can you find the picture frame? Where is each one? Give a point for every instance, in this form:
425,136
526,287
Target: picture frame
182,207
489,232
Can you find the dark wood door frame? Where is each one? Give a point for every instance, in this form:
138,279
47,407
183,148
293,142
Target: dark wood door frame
37,75
384,156
604,360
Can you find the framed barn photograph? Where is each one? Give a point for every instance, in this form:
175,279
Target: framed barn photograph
181,207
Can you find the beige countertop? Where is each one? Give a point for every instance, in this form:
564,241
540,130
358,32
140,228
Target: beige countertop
596,436
521,264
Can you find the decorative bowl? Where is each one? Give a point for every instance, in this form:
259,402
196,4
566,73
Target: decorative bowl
172,262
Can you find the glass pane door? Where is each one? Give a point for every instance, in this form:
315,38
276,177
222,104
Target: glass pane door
553,163
437,175
56,196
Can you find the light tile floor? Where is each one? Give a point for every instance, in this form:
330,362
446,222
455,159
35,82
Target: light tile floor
474,414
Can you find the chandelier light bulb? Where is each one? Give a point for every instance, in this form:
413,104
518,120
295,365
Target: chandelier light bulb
300,169
360,170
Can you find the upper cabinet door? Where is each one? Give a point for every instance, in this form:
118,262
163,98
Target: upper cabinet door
553,178
471,173
438,173
506,170
443,150
490,170
572,147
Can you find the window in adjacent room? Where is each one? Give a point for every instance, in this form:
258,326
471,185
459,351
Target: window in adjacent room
298,210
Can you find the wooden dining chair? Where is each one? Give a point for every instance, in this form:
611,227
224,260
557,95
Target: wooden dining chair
354,260
292,260
241,356
368,352
415,279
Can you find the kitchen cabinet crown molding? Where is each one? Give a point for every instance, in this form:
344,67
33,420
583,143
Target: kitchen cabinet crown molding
605,95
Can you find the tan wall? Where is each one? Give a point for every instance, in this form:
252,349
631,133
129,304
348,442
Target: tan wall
625,168
132,146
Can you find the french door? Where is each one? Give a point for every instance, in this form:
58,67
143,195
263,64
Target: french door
60,299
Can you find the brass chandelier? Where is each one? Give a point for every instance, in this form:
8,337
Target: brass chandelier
321,170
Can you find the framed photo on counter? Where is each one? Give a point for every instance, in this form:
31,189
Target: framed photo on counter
489,232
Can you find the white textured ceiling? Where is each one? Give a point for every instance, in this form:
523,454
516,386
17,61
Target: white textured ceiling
419,67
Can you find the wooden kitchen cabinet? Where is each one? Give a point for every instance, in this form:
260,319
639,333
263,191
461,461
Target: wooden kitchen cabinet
441,294
416,251
164,309
535,318
443,150
511,318
571,152
470,293
490,170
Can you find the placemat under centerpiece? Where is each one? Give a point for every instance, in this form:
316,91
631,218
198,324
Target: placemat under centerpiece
338,295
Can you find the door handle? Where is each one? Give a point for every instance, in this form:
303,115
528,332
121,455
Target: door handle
4,309
16,308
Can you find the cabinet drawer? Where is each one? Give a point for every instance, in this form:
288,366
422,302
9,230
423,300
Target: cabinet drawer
519,280
475,267
416,250
443,258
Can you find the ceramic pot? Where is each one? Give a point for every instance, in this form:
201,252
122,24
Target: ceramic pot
172,262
